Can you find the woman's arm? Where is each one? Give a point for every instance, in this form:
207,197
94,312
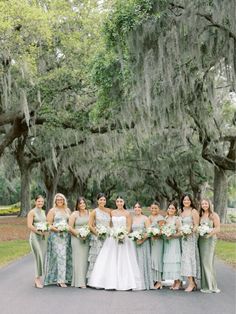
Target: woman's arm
92,217
50,220
30,220
216,225
128,222
196,219
72,224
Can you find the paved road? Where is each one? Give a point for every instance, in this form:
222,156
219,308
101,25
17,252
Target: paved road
18,296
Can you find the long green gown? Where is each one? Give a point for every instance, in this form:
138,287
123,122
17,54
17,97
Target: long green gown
144,258
157,248
172,255
80,249
59,259
207,254
101,218
38,243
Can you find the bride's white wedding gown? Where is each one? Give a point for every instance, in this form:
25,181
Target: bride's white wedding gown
116,266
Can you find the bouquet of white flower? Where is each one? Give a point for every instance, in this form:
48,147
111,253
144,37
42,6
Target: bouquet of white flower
102,231
186,230
43,227
83,232
204,229
136,235
153,232
119,234
62,227
168,230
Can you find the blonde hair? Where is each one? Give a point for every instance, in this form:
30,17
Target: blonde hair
210,210
62,196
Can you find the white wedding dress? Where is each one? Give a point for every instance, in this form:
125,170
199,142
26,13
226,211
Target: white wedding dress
116,266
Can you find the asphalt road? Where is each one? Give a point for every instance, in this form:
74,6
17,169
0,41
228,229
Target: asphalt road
18,296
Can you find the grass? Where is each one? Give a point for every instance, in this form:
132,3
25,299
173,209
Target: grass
12,250
226,251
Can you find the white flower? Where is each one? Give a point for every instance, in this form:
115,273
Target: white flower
136,235
153,231
186,229
62,226
119,233
102,231
168,230
83,232
204,229
42,226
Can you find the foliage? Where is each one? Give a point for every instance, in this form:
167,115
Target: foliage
12,250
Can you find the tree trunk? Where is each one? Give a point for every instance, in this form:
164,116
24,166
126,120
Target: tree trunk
220,192
25,195
50,182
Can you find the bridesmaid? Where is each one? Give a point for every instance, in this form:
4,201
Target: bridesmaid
172,250
99,216
80,247
37,238
58,265
157,247
190,265
207,245
141,222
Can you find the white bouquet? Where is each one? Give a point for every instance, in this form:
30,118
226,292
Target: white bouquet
43,227
186,230
204,229
102,231
168,230
119,234
62,227
153,232
136,235
83,232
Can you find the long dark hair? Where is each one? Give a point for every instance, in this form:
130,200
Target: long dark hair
120,196
210,209
190,198
101,195
79,199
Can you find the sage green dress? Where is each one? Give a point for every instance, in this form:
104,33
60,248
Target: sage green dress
143,252
207,254
38,243
157,249
172,255
101,218
80,249
59,259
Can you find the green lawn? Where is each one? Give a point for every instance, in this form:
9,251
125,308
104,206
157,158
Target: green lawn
11,250
226,251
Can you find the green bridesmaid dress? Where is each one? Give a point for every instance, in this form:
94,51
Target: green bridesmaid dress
80,249
157,248
207,254
144,257
59,262
38,243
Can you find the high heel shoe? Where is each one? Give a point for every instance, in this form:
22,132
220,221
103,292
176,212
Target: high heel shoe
158,286
191,288
38,285
61,285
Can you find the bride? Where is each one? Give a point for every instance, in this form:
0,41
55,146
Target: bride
116,266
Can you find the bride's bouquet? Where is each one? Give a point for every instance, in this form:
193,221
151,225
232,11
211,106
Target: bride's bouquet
136,235
119,234
62,227
167,231
43,227
186,230
102,232
204,229
83,233
153,232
